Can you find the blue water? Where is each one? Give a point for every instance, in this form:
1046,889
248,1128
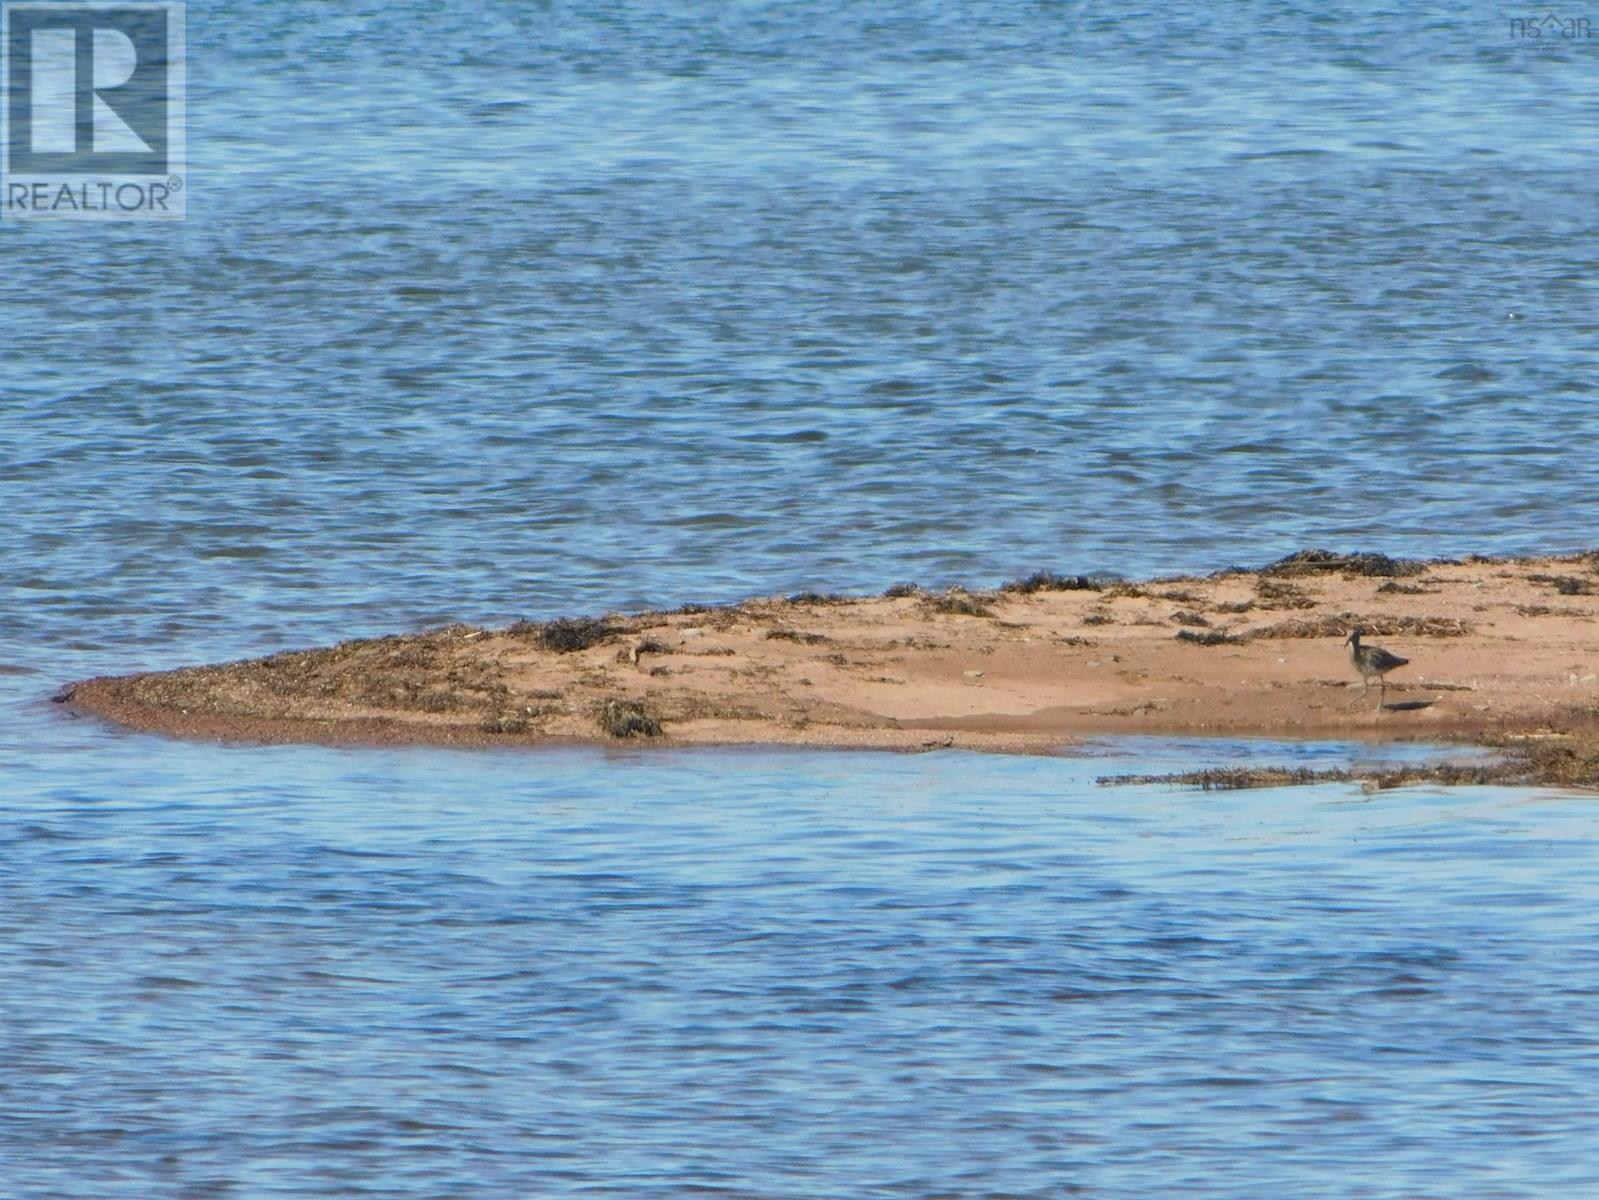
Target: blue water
307,972
496,311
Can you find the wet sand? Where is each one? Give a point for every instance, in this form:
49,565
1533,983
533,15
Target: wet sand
1499,649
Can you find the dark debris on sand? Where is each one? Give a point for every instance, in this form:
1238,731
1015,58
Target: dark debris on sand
803,637
1275,594
1318,562
1371,625
1048,581
1395,588
1208,637
627,719
565,635
1566,585
957,602
816,598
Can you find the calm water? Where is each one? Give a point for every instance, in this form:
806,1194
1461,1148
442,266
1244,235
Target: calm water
498,311
774,974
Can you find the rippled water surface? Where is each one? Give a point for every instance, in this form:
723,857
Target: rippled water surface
303,972
515,306
506,310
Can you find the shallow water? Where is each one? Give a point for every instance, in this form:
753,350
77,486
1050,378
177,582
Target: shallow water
496,312
788,974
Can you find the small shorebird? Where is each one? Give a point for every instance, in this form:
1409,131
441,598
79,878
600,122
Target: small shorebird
1372,660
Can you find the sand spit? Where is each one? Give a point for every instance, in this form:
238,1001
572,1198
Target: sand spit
1503,651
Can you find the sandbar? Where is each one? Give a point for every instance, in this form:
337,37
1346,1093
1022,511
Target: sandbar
1499,648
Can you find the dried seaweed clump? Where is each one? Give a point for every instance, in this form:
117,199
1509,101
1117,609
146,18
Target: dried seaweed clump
1545,610
1208,637
959,603
816,598
1545,760
568,634
440,700
1317,562
1568,760
627,719
796,635
1274,593
1374,626
1222,779
514,722
1048,581
1120,589
1566,585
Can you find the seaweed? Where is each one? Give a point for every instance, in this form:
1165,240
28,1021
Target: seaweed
565,635
1049,581
795,635
1275,594
1373,626
1210,637
958,603
1395,588
627,719
1548,760
1566,585
817,598
1220,779
505,723
1315,562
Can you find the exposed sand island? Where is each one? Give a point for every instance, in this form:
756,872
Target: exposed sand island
1502,651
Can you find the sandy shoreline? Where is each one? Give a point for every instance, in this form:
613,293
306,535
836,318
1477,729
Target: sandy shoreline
1497,647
